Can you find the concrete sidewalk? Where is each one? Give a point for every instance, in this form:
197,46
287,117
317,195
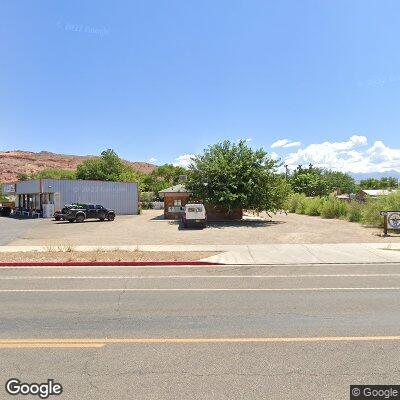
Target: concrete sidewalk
258,254
310,254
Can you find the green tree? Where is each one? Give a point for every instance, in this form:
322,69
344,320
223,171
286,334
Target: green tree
107,167
235,176
339,180
383,183
320,182
54,173
162,177
311,183
22,176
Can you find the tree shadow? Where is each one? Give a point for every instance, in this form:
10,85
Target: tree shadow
158,218
243,224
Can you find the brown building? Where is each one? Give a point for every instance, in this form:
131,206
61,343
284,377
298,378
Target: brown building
175,198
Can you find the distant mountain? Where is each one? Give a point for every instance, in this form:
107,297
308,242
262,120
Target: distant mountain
377,175
19,161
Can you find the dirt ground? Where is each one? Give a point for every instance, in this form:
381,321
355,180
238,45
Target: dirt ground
63,256
151,228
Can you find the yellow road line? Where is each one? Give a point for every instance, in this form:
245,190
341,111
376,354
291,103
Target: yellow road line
87,343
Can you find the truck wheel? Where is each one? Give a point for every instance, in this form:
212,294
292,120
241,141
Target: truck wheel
80,218
57,218
111,216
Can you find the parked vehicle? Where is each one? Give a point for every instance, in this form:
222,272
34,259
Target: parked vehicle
6,208
194,216
80,212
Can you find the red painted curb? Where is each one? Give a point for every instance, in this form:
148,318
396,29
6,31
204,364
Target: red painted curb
102,263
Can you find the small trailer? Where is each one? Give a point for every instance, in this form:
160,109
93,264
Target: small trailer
194,216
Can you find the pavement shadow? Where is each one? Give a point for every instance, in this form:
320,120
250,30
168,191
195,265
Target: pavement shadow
76,223
242,224
158,218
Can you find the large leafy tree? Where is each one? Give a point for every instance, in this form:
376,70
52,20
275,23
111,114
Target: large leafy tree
339,180
235,176
54,173
162,177
383,183
108,167
320,182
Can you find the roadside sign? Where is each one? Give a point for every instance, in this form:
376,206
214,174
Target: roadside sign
393,220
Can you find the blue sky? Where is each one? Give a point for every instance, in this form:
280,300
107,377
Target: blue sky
164,79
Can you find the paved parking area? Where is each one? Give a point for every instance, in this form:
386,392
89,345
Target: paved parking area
151,228
11,229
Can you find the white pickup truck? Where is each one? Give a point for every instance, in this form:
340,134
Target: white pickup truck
194,216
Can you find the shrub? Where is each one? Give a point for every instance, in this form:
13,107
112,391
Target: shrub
354,212
333,208
313,206
301,206
372,208
293,202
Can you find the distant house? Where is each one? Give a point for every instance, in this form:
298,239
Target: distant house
362,195
344,197
175,198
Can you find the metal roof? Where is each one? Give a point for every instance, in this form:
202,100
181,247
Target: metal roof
174,189
378,192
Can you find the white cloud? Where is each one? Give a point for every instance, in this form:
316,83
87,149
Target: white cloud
184,160
274,156
285,143
152,160
348,156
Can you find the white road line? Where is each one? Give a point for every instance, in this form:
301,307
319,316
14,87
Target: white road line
139,277
208,266
200,289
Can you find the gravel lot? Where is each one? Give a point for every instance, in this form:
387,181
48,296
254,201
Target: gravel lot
151,228
103,256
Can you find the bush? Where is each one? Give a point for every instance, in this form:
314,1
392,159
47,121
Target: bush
372,208
294,201
333,208
313,206
354,212
301,206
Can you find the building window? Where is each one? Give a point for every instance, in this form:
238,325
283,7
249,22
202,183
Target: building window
177,203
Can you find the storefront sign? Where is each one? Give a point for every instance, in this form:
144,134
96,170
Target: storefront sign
9,188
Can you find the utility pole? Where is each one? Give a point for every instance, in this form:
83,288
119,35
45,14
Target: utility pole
286,171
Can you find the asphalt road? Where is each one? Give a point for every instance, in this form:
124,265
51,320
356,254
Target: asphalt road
225,332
